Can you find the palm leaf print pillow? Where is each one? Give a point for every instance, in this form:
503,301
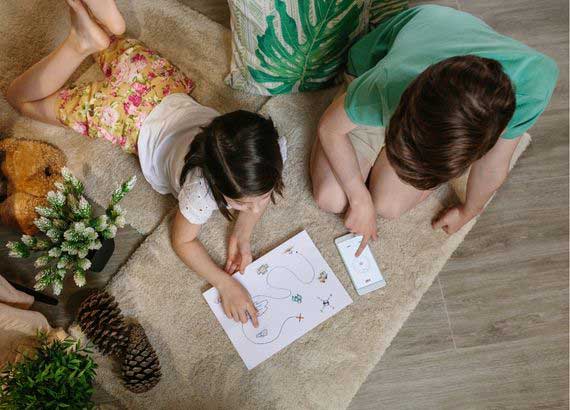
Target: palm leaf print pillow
291,46
383,9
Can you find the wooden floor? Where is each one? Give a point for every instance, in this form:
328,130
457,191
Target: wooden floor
492,331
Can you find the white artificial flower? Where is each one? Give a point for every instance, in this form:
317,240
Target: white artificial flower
91,234
66,173
120,221
83,203
53,234
62,263
28,240
93,245
84,264
55,252
42,223
57,287
56,199
59,186
79,278
101,222
131,183
41,261
112,231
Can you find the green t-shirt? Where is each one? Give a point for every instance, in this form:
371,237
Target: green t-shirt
389,58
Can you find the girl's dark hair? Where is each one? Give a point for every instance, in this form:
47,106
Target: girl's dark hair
447,118
239,156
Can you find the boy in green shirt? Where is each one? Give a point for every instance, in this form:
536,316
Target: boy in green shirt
451,93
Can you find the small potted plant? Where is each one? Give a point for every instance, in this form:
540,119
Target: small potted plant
72,239
59,374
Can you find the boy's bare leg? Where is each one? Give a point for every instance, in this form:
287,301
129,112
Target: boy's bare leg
34,93
327,191
392,197
108,14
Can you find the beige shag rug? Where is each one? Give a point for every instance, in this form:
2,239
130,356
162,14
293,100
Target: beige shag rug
323,369
29,29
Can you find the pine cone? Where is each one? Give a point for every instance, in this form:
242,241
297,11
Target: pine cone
103,323
141,368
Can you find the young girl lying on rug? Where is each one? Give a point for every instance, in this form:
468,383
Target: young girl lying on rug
207,160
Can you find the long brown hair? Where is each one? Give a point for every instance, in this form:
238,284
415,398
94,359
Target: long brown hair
239,156
447,118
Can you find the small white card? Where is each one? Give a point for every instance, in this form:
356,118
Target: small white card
293,289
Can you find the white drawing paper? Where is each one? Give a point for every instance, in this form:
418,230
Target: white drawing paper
293,289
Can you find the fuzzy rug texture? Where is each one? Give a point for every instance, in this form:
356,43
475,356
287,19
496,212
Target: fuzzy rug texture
323,369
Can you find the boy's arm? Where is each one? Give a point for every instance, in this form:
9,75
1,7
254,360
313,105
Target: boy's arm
486,177
239,246
235,299
332,133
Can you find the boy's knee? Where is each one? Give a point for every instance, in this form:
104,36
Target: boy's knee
388,208
329,199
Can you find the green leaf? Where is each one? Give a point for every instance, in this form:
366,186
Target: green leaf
47,212
123,190
18,250
71,183
310,58
381,10
46,380
56,199
69,232
43,224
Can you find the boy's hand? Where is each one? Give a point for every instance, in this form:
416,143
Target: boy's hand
236,302
239,253
360,219
452,219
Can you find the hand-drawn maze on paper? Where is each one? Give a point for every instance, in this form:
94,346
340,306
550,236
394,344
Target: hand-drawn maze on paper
263,303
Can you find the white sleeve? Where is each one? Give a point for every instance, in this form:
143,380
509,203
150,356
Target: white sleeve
283,148
195,201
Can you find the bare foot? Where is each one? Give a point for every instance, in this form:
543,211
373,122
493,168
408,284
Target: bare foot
86,35
106,12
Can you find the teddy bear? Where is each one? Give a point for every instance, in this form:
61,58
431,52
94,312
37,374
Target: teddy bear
28,171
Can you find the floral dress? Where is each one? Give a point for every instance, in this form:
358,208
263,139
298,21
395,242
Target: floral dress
136,80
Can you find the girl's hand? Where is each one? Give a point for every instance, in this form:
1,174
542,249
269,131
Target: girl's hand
236,302
239,253
453,219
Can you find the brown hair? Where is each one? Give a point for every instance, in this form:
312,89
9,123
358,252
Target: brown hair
239,156
451,115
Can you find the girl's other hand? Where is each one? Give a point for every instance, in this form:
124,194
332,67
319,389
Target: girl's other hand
236,302
239,253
